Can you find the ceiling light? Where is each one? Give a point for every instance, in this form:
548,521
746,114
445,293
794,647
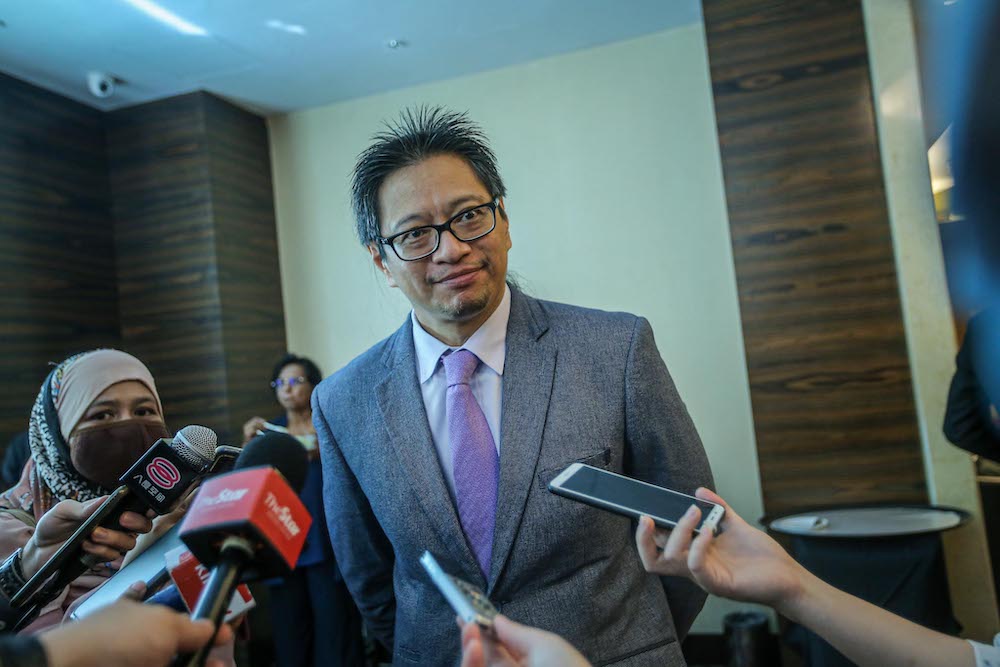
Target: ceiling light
162,15
286,27
396,43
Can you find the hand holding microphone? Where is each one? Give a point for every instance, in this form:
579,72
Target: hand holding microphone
157,481
59,523
248,524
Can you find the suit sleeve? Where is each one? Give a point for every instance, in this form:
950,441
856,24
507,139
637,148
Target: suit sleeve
363,552
663,448
967,421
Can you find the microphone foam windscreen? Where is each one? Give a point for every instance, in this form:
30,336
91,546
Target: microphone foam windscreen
280,451
195,444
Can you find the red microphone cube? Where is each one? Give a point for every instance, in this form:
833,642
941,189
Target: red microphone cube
255,504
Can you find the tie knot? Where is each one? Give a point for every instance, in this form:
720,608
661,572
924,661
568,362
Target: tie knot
459,366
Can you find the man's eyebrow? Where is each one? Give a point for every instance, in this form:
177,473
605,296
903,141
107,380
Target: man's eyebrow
464,199
399,223
451,206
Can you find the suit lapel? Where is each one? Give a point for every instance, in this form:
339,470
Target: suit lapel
402,406
529,369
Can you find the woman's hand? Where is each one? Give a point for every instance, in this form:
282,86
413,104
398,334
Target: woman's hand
127,634
59,523
251,427
516,645
742,563
161,524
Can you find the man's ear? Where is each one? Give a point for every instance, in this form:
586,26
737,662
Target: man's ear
379,259
506,221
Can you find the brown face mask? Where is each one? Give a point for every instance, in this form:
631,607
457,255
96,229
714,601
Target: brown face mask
103,453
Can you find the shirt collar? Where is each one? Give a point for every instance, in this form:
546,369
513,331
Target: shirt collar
488,342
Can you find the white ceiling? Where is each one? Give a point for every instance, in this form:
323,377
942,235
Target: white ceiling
342,54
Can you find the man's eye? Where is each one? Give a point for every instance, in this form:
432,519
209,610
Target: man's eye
415,235
471,215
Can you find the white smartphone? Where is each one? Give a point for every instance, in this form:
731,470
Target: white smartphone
468,601
631,497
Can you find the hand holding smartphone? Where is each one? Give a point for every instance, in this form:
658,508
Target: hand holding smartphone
632,498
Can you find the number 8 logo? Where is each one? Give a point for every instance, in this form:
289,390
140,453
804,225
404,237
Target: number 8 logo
163,473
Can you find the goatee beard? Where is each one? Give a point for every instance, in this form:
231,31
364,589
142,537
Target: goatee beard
465,308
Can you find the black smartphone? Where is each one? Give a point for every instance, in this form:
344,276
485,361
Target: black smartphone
630,497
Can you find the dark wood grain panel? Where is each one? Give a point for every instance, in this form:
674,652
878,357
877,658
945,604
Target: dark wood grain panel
200,288
150,229
826,350
253,321
58,293
168,298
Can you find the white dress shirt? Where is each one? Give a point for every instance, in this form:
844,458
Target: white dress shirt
488,343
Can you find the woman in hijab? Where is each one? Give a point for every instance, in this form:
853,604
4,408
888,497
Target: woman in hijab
97,412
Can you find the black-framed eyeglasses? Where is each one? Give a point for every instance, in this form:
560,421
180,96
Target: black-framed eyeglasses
291,382
469,225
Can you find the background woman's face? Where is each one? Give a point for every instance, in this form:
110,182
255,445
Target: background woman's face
293,397
123,400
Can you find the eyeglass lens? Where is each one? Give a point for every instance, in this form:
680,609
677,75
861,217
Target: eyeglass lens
468,226
291,382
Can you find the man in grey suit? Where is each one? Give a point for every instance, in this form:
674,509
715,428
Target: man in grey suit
445,435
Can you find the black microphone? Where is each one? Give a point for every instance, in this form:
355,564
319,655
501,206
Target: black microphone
248,524
148,565
158,480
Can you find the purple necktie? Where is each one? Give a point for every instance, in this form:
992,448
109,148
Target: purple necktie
474,456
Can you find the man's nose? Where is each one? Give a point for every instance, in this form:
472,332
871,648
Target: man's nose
450,247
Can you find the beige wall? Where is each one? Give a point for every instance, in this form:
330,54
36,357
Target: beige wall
615,199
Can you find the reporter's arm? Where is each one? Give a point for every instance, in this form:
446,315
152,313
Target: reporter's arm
868,635
128,634
744,563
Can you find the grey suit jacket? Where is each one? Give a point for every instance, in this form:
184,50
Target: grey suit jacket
578,385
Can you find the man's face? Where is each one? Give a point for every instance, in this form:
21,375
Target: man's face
462,280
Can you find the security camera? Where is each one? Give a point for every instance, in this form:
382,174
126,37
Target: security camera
100,84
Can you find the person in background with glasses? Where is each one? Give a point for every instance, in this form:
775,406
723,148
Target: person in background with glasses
313,618
293,380
444,435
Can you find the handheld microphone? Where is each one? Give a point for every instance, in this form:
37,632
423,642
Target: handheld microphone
189,578
149,565
248,524
157,480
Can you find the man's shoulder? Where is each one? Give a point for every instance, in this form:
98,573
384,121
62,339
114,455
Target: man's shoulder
359,371
569,319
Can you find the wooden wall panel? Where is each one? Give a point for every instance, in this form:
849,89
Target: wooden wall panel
58,293
825,344
200,295
150,229
169,298
253,319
